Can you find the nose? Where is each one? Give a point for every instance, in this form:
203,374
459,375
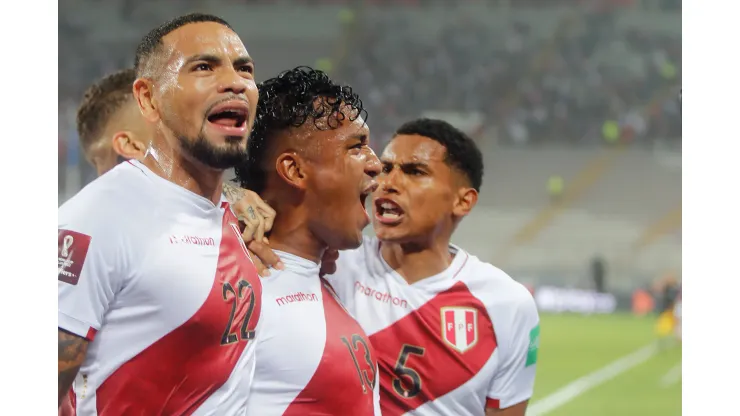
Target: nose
232,82
372,164
387,182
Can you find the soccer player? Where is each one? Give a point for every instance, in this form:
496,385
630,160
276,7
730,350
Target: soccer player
309,159
158,300
109,123
112,130
454,335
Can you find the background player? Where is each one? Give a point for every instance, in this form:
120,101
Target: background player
454,335
157,308
309,158
109,123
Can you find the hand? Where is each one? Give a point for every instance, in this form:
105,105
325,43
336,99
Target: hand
263,257
257,216
329,262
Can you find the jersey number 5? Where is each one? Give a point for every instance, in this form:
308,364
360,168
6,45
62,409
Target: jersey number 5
243,292
402,371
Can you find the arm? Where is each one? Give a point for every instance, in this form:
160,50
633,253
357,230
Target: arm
89,270
72,352
513,383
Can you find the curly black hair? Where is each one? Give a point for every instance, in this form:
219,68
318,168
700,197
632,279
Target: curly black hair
290,100
462,152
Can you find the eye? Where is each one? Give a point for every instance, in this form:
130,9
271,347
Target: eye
248,68
357,146
202,67
387,168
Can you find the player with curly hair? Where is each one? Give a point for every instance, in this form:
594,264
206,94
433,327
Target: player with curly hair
309,159
453,334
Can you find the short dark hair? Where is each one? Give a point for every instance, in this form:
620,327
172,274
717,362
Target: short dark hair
101,100
462,152
288,101
153,40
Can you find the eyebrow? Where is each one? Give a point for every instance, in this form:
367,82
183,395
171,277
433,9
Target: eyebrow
405,164
242,60
359,136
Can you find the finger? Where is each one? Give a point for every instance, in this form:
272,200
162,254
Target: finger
327,268
266,255
262,270
332,255
260,232
251,213
249,230
268,214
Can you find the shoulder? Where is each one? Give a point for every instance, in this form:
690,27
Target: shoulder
115,196
110,210
499,292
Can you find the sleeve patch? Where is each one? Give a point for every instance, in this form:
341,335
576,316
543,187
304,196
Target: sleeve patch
534,346
73,248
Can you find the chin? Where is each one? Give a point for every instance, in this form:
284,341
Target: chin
390,234
349,242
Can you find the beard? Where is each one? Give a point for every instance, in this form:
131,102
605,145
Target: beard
219,158
231,154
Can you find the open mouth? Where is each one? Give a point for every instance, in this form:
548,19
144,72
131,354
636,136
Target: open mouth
363,196
388,211
230,116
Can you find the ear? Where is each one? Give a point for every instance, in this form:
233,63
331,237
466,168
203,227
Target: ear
465,201
143,93
292,169
127,147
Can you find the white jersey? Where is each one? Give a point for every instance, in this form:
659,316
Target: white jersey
451,344
159,281
320,362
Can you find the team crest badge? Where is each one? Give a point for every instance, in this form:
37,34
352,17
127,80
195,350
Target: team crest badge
459,327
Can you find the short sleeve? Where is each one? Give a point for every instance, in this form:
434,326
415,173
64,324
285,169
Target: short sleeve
88,269
514,383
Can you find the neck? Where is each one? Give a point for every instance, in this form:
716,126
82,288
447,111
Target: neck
183,171
415,262
292,235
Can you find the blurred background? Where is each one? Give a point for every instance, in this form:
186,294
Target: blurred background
574,104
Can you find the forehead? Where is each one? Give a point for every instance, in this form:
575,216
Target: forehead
414,149
204,38
349,124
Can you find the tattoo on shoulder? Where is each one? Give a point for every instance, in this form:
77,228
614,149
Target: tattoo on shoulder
72,351
232,193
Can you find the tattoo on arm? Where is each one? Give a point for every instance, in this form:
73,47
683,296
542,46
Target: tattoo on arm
232,193
72,351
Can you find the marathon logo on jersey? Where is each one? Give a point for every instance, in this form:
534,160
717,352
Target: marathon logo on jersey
460,327
73,248
534,346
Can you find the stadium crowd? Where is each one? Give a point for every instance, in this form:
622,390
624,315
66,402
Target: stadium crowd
562,88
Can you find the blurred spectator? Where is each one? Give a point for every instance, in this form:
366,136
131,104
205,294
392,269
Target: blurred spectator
588,77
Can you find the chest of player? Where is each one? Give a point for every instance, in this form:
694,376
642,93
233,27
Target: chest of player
197,277
316,353
430,344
